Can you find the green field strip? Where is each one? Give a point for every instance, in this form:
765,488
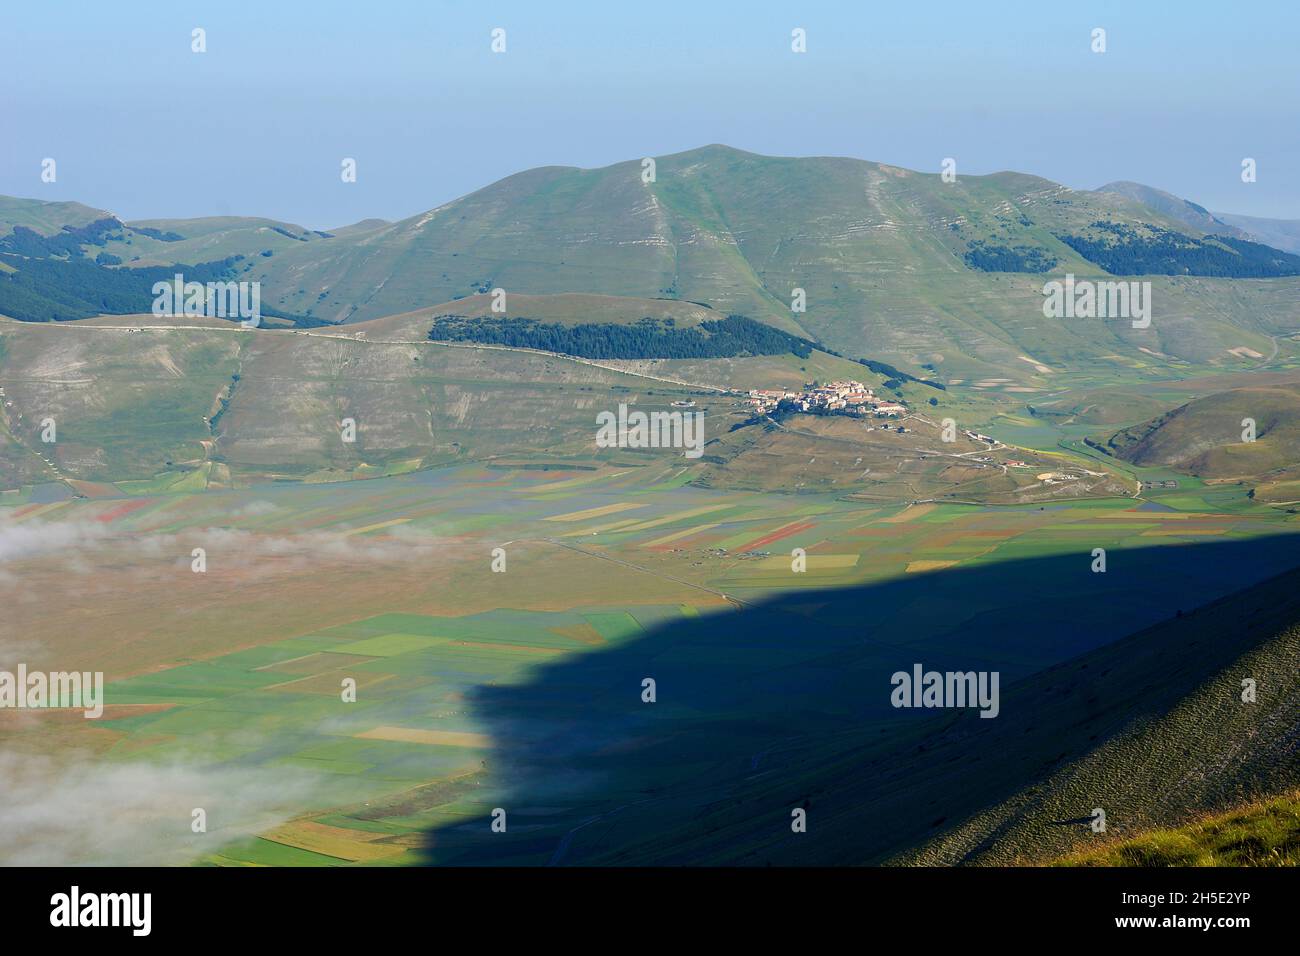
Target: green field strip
124,692
322,765
261,852
214,677
345,822
428,626
265,656
389,645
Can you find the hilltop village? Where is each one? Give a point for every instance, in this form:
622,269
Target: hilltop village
849,398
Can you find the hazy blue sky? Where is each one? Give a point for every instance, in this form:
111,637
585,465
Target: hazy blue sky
259,123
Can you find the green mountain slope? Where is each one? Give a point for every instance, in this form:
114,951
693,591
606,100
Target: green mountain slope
45,218
204,403
208,239
1281,234
238,405
890,261
895,264
153,242
1175,207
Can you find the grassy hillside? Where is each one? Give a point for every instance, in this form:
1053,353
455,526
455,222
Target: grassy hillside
884,255
208,239
874,461
186,404
153,242
570,309
567,308
146,404
897,265
1264,833
45,218
1163,739
1204,436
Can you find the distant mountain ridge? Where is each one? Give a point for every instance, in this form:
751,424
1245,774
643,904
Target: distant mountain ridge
923,273
1183,210
1281,234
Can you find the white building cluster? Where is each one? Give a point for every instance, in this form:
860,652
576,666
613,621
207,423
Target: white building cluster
849,397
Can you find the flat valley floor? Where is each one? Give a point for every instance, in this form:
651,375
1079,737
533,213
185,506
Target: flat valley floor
522,689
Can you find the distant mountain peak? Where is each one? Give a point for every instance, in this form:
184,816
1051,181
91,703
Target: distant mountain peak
1175,207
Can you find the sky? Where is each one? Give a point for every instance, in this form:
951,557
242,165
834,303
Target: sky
261,122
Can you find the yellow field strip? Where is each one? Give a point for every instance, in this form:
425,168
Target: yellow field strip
816,562
908,514
598,528
572,483
596,512
376,527
356,845
679,534
679,516
414,735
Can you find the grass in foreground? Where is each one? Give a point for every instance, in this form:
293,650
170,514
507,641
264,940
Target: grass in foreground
1259,834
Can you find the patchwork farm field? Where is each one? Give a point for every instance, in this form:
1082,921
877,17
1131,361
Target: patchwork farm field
522,689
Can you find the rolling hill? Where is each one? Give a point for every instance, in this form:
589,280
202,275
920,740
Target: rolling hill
45,218
1281,234
892,261
140,401
1174,207
152,242
896,265
1204,437
192,403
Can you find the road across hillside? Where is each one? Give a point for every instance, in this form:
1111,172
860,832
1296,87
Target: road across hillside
362,340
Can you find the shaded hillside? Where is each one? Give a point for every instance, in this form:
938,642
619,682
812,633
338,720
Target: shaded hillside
1165,731
786,705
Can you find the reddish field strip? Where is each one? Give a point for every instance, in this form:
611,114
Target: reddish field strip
112,514
782,532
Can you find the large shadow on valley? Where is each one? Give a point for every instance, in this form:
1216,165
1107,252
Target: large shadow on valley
785,703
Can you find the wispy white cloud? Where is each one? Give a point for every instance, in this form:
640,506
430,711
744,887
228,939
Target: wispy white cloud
87,811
